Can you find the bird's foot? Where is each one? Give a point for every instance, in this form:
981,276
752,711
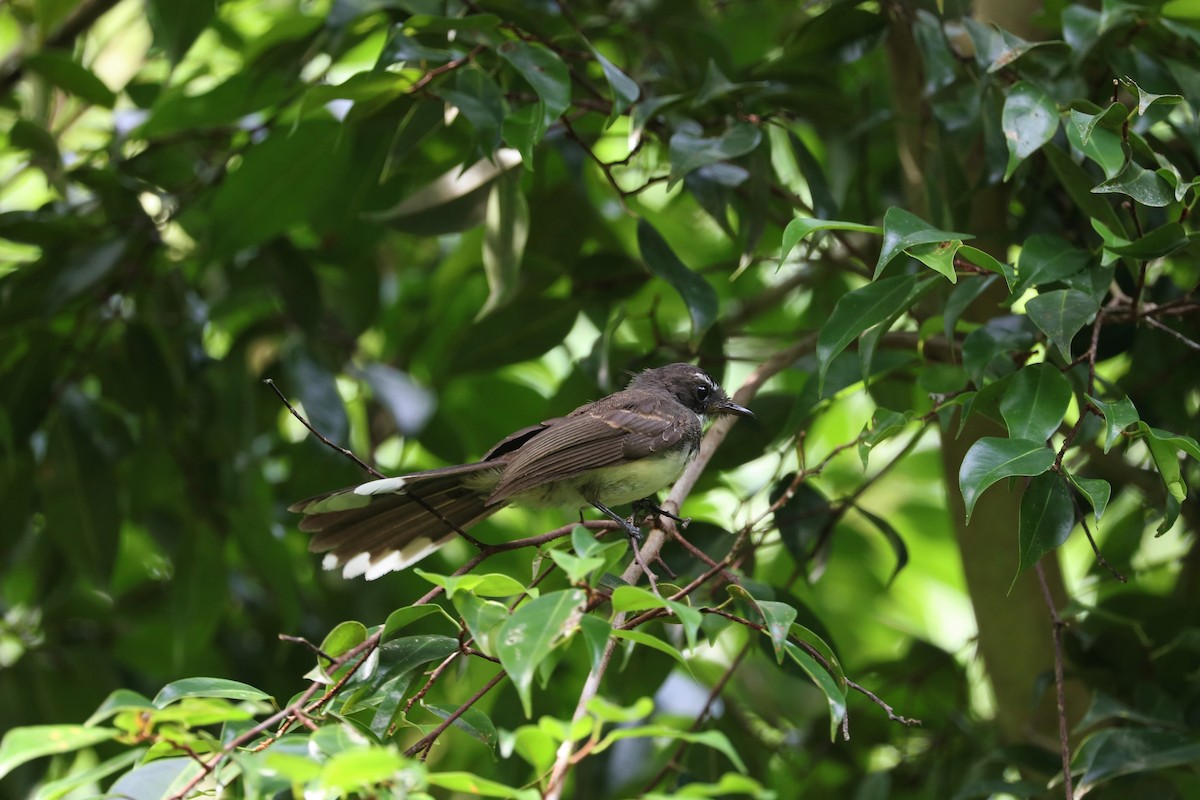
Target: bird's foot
648,507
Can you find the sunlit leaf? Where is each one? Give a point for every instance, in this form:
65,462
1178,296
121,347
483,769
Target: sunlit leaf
1047,517
533,630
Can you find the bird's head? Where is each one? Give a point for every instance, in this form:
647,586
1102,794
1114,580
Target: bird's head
693,387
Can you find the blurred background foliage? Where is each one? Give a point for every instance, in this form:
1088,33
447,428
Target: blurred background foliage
432,223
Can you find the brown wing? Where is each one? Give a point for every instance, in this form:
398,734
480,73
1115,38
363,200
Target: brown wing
623,427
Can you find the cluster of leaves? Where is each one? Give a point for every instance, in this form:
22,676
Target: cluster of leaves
406,210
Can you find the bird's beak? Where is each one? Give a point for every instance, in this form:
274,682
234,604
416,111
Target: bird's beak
727,406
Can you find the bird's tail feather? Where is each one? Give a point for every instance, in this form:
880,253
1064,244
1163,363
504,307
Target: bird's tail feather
391,524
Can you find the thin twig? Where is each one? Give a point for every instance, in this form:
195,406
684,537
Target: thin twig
1057,625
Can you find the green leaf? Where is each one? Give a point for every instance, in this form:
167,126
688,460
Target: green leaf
713,739
247,92
894,539
1096,490
625,90
938,256
511,335
778,619
280,182
1097,140
119,700
689,152
992,459
207,687
53,790
481,100
483,619
577,568
1147,99
163,777
1111,118
1146,187
1047,517
466,783
1035,402
533,630
1078,184
81,516
1110,753
401,655
473,722
1117,417
653,642
20,745
544,71
489,584
884,425
635,598
403,617
1060,315
1161,241
697,293
606,711
987,261
902,230
358,768
1047,259
177,23
1164,450
66,73
801,227
1029,120
835,695
861,309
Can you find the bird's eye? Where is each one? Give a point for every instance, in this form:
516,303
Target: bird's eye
703,391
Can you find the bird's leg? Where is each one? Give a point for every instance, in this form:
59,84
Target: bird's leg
631,530
648,506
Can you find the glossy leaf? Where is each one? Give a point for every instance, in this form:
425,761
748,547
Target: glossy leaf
24,744
1035,402
402,617
1146,187
801,227
903,230
893,537
207,687
1160,242
689,152
835,695
1060,315
884,424
1118,417
506,230
1030,120
654,643
1113,752
533,630
543,70
472,722
633,598
278,184
1096,490
981,259
625,90
1047,259
69,75
991,459
861,309
697,293
489,584
1047,517
483,619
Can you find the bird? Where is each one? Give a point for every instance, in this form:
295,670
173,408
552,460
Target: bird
622,448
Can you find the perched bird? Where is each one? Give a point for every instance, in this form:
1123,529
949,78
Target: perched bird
619,449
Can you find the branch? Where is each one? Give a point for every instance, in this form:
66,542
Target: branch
1064,743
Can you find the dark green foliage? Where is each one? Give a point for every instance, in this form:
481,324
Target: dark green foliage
432,223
